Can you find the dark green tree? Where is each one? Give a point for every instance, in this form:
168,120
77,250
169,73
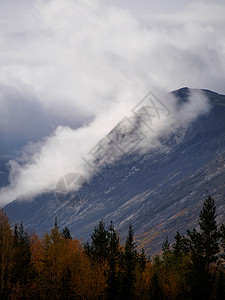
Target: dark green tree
22,254
195,243
180,245
129,262
56,223
114,253
222,235
142,260
22,270
198,279
66,233
166,245
203,247
167,253
197,276
98,248
209,230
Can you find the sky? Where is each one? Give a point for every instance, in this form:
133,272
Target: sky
70,70
144,7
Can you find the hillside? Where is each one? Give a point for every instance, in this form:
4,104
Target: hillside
159,192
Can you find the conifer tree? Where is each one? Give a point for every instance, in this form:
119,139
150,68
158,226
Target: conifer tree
114,252
203,246
180,246
66,233
129,266
209,230
22,254
22,269
142,260
222,235
195,243
166,251
98,249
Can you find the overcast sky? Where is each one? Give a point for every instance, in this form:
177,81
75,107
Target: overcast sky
83,64
144,7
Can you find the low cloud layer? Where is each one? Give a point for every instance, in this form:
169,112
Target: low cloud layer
71,70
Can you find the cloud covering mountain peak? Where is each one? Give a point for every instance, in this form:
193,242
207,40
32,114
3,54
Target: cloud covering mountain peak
71,70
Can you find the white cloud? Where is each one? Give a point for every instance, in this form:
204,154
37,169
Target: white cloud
83,62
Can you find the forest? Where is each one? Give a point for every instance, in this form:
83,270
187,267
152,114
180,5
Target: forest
57,266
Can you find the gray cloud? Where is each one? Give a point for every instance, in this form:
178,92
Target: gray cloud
71,70
24,119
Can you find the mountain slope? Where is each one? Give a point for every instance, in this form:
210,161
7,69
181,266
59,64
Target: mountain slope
159,192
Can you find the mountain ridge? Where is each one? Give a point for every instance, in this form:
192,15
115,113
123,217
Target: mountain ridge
158,192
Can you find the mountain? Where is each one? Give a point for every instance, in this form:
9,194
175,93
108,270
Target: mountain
159,192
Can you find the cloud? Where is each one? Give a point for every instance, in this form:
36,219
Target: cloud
71,70
23,117
66,150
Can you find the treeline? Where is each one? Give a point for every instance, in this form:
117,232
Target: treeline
59,267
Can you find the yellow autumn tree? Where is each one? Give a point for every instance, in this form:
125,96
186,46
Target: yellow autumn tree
64,270
87,279
50,264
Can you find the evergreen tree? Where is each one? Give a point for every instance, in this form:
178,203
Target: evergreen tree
203,246
197,276
198,279
222,235
114,253
166,251
56,223
195,243
129,263
166,245
209,230
142,260
22,254
98,249
180,246
66,233
22,269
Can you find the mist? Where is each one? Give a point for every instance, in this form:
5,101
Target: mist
70,71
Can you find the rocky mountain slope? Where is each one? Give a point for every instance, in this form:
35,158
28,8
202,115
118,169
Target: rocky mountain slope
159,192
